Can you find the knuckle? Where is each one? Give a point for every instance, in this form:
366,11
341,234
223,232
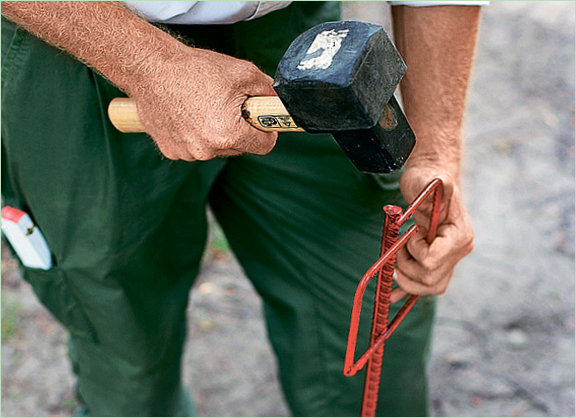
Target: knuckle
204,156
188,158
264,147
170,156
469,248
430,264
168,152
221,143
428,281
251,69
469,242
244,71
441,289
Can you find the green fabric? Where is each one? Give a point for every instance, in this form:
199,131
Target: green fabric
127,229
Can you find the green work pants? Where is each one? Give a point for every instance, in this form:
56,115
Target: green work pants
127,229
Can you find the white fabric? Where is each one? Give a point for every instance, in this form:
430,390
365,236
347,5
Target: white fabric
417,3
204,12
223,12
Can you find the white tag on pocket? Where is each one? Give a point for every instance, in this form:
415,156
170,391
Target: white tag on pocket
25,238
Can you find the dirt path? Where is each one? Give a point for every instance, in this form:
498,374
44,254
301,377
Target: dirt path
504,341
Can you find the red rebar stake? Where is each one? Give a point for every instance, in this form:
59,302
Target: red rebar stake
384,268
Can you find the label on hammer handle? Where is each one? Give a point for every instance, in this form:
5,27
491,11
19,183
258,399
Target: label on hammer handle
276,121
267,113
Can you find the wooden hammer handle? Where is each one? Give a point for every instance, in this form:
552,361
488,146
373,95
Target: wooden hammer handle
266,113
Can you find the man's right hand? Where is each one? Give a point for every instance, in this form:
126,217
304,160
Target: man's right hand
188,99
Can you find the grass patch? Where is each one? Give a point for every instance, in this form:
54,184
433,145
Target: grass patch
218,246
10,312
217,241
70,405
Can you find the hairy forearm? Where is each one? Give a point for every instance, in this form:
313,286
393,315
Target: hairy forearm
188,99
438,44
105,35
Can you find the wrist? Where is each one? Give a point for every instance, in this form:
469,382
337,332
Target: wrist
437,151
145,62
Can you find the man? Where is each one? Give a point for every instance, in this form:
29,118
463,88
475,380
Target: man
124,215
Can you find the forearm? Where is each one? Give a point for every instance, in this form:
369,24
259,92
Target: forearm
188,99
105,35
438,44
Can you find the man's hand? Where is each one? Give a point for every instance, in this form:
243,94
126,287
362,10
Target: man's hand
426,269
188,99
190,102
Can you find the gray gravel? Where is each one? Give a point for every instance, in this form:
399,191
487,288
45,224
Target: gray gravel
504,340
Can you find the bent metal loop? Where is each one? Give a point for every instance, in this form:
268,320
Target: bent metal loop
383,268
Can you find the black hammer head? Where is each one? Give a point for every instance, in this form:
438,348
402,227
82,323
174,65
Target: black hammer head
339,76
385,147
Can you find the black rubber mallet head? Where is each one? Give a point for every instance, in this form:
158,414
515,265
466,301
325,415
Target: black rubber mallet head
338,77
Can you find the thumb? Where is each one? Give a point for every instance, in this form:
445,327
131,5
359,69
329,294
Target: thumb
397,295
260,84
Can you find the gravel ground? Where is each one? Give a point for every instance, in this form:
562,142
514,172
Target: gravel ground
504,341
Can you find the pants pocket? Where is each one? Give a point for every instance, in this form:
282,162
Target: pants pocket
11,44
52,289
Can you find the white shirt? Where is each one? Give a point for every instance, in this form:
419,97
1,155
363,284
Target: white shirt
223,12
204,12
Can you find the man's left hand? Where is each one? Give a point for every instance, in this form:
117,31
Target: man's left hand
426,269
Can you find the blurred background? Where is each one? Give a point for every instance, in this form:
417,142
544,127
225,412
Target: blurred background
504,340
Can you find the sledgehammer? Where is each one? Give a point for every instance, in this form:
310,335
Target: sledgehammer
338,78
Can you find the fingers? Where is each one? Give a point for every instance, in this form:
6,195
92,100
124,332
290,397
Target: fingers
227,134
258,142
250,140
420,267
413,279
194,112
426,269
397,295
256,82
247,139
237,138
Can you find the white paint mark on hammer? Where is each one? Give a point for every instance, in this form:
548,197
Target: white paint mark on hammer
329,42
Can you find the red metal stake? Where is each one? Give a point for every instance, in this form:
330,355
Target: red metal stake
384,268
381,310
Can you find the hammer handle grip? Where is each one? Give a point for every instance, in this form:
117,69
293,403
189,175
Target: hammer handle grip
266,113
